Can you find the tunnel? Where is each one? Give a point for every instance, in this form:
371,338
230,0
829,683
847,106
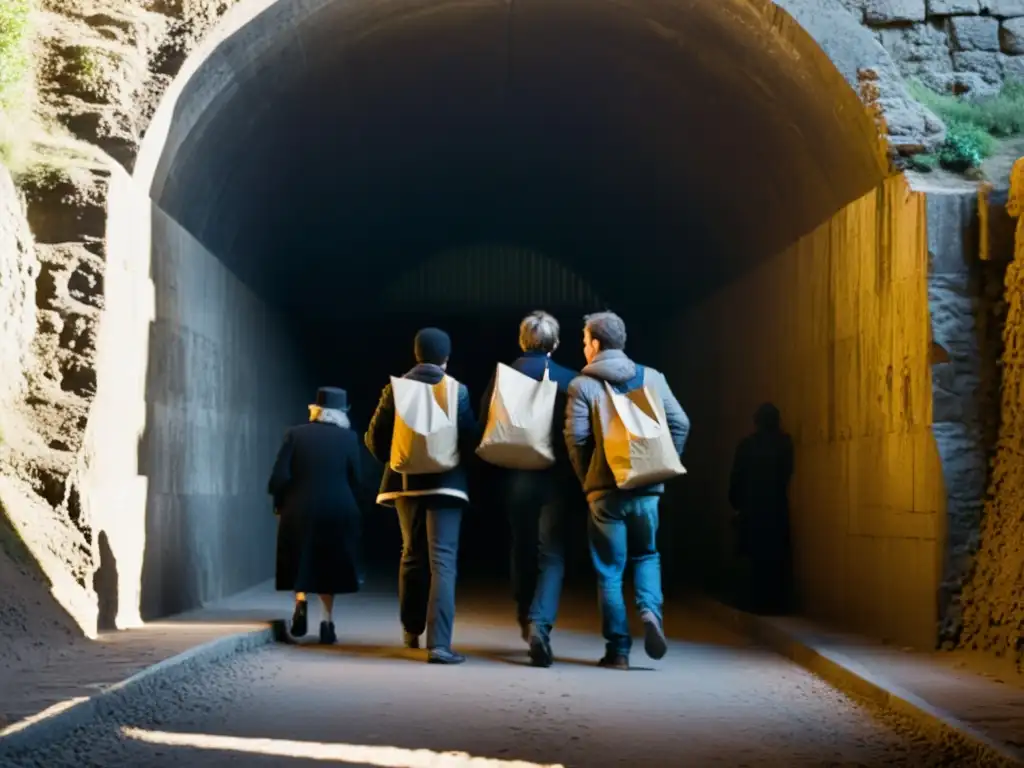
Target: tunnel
325,177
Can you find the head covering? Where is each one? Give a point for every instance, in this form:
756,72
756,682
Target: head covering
767,417
332,397
432,345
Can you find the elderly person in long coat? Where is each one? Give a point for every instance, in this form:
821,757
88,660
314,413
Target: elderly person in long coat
315,486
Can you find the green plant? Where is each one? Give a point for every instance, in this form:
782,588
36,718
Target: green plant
14,48
966,145
924,163
1001,114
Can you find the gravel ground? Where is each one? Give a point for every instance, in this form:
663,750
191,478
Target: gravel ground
712,702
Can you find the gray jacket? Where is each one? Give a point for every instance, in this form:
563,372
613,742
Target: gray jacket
588,399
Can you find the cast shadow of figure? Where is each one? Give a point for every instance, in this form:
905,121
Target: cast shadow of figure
759,494
105,584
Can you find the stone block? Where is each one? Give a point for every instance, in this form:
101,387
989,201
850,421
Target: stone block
1003,8
922,47
953,7
1013,67
894,11
987,64
1011,36
974,33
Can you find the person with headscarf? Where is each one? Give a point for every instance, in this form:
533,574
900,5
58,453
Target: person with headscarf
429,506
315,486
759,493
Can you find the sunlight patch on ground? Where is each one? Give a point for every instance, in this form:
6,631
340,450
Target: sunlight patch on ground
51,711
355,754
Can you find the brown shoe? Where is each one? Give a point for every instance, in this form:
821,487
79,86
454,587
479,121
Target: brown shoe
614,661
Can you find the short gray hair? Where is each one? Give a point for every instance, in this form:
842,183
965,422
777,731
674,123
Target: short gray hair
538,332
608,328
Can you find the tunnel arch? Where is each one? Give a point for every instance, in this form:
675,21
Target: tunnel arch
707,134
310,151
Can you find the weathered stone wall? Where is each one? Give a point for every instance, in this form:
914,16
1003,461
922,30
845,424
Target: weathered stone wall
993,598
959,46
835,331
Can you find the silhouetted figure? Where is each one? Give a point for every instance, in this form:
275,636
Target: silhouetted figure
315,484
535,498
105,585
759,492
429,505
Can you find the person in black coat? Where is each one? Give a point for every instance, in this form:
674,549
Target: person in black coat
430,508
315,486
759,492
535,500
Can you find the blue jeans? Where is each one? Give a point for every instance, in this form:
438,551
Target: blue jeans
623,529
536,517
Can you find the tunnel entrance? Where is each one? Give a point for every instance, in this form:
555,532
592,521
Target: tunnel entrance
314,153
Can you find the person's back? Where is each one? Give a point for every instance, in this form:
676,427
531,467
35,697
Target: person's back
325,465
535,499
429,506
623,523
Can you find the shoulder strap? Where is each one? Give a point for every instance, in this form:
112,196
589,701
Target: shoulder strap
628,386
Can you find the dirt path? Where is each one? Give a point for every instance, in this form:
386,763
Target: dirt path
714,701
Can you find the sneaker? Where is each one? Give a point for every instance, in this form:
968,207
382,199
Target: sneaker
327,634
540,651
410,640
444,656
300,624
654,636
614,661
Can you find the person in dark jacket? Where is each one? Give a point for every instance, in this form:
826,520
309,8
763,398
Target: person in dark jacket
759,492
535,499
623,525
430,508
315,486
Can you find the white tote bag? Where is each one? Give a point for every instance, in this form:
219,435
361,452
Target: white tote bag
426,436
519,421
637,442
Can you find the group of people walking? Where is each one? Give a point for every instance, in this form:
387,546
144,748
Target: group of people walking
614,431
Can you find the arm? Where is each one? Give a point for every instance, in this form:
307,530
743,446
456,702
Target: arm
579,432
469,429
281,475
678,421
382,426
485,401
737,477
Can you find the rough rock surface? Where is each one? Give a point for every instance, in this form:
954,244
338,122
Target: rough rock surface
967,47
993,599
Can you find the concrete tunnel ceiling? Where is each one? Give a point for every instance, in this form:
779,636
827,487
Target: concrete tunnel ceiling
327,144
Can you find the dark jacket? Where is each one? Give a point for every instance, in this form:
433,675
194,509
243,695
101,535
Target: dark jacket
588,401
759,489
393,485
532,364
315,484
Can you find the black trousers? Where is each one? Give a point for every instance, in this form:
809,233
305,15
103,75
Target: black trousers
426,579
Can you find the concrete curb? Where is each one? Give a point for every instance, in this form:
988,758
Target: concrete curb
854,679
57,722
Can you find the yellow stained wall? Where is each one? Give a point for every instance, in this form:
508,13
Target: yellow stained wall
835,332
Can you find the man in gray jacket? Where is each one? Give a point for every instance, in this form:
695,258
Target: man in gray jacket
623,525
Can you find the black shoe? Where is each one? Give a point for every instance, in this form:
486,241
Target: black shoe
654,636
327,634
444,656
410,640
300,620
540,649
614,661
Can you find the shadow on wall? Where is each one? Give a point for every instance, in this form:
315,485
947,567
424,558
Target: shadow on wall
105,585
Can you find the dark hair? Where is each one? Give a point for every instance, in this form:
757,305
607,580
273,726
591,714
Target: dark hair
608,328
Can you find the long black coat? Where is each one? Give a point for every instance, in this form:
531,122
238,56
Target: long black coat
316,486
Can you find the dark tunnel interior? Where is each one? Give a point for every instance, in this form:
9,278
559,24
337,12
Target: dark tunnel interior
639,155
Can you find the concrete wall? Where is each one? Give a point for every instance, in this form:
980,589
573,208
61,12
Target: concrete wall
835,331
197,380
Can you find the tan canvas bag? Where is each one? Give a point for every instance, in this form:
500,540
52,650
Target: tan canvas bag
426,436
519,421
637,442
